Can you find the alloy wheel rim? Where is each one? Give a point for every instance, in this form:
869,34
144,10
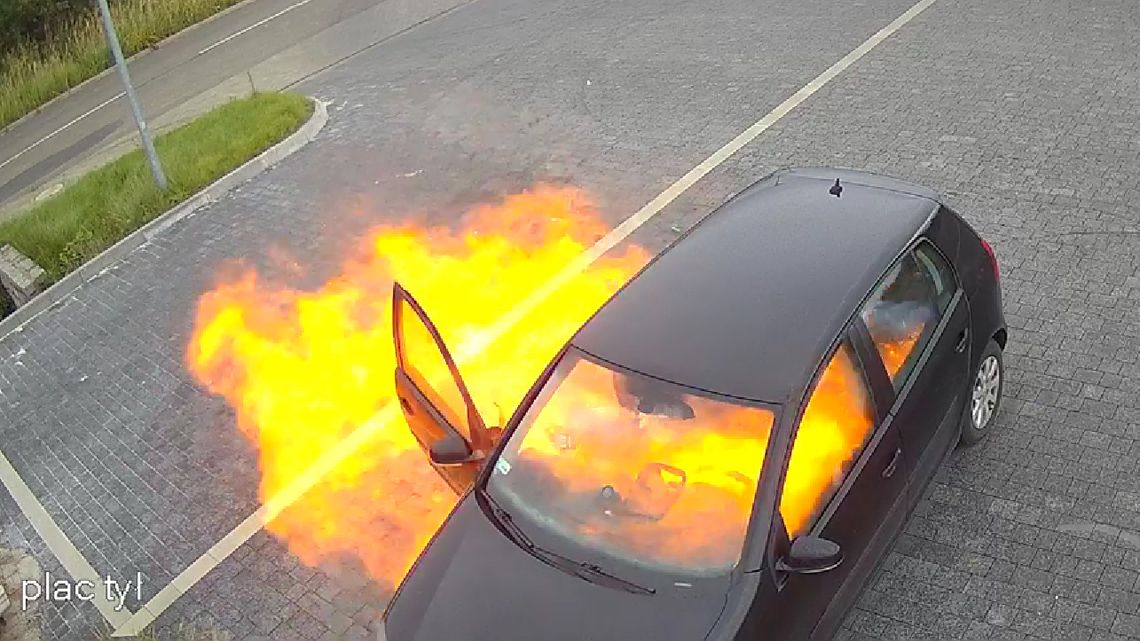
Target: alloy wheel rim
984,398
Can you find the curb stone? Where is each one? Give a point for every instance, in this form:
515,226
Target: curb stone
95,267
20,276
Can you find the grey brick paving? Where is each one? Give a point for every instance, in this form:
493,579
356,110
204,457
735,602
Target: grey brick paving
1023,112
263,592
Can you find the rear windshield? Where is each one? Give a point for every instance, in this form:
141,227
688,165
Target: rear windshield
635,468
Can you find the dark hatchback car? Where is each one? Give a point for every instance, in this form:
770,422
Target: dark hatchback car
727,447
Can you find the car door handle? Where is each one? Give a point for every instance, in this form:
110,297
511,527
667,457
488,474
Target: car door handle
963,340
889,471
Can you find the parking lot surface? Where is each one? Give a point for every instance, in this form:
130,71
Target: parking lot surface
1023,113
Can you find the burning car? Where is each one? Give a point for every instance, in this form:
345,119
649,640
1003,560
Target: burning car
726,448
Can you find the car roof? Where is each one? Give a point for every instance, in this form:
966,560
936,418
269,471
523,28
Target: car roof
747,302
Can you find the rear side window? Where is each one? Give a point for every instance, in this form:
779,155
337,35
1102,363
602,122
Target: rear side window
905,308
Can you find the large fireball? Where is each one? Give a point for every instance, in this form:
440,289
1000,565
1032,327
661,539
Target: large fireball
304,369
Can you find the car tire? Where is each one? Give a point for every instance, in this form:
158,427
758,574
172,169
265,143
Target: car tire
984,395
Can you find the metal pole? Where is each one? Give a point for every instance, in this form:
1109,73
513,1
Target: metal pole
129,89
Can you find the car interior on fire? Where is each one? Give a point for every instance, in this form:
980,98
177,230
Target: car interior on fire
637,467
657,486
903,312
634,467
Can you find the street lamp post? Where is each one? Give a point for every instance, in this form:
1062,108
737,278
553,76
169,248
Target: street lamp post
129,90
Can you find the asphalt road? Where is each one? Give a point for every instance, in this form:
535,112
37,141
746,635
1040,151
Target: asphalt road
71,129
1023,112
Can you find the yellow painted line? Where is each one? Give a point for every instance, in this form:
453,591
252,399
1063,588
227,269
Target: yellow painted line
334,457
166,597
61,546
256,521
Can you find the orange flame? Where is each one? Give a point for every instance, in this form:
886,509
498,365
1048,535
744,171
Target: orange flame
303,369
689,482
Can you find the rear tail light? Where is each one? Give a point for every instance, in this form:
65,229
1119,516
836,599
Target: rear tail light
993,259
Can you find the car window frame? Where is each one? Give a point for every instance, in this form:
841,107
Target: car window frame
880,405
898,396
927,243
921,240
885,398
760,518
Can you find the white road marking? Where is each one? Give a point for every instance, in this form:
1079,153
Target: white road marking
329,460
255,25
120,94
53,134
69,556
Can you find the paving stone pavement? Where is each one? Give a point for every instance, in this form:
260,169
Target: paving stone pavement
19,623
1022,112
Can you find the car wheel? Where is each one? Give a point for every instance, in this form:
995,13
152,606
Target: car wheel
984,395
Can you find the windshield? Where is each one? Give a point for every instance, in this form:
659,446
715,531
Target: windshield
635,468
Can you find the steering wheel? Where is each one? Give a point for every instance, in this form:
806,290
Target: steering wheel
655,491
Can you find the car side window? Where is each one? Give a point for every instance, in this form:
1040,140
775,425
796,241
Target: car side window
905,308
836,424
425,365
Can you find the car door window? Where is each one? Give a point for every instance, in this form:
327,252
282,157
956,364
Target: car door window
424,364
836,424
905,308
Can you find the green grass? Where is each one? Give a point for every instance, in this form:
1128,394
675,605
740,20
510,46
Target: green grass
35,74
102,207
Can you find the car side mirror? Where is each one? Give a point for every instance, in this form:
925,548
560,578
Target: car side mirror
451,450
810,555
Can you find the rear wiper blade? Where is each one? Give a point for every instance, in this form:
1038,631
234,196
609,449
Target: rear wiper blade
580,569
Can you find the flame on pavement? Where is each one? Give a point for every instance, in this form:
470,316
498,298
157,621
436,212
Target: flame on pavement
305,368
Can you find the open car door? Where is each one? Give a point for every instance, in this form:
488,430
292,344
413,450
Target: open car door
433,396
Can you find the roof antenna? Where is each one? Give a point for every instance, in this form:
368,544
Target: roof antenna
836,189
